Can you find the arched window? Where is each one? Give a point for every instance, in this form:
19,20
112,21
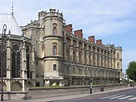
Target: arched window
68,41
54,49
16,60
54,29
3,60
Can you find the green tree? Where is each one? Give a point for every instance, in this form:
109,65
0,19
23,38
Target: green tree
131,70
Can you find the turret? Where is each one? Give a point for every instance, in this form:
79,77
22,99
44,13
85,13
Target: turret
53,41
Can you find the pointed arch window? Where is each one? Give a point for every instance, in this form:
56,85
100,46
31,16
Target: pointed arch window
54,29
3,58
54,49
16,60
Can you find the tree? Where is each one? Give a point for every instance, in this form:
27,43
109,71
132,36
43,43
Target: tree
131,70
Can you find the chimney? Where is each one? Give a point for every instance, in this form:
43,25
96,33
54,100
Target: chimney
91,39
69,28
78,33
99,42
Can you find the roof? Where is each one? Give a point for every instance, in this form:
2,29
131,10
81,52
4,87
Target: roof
11,23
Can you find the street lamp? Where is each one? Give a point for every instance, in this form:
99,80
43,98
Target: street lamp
3,39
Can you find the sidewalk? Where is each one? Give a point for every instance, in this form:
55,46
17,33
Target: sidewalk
49,99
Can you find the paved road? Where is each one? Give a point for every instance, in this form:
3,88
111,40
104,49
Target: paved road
118,96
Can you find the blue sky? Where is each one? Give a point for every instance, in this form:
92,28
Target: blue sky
113,21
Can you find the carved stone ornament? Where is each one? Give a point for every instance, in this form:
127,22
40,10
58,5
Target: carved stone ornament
16,47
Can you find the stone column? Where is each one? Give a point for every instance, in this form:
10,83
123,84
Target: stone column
71,53
87,57
33,62
83,56
8,65
77,54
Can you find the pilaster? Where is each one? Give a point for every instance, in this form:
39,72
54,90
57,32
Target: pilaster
23,65
8,69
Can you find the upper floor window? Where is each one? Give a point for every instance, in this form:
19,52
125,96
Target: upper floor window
117,55
54,48
54,67
54,29
68,41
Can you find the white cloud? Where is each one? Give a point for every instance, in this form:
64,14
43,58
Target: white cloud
97,17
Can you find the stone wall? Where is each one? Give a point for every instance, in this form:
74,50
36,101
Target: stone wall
54,92
35,93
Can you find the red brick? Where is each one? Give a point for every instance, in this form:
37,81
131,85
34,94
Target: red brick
91,39
69,28
78,33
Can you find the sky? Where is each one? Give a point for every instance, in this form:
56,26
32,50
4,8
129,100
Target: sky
113,21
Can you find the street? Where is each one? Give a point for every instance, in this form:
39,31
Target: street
123,95
118,96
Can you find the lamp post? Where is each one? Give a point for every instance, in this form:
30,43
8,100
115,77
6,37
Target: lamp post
3,39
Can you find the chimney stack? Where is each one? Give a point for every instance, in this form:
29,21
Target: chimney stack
91,39
99,42
69,28
78,33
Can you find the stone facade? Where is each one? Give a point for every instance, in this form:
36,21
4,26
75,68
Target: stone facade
48,52
16,57
18,69
64,58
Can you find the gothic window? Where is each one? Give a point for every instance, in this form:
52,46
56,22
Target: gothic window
3,56
54,48
16,60
54,29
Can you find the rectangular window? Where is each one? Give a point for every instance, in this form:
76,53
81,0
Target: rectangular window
117,55
54,67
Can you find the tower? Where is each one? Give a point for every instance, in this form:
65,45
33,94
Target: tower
53,40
